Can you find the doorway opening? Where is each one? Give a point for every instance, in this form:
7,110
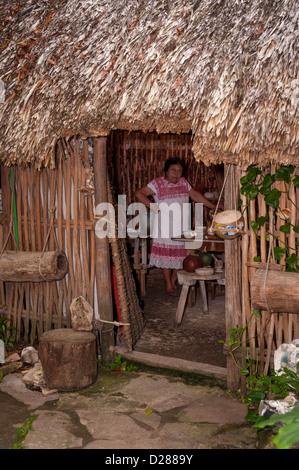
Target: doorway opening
134,159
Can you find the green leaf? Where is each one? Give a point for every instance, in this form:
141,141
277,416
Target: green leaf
291,373
257,259
287,436
296,228
272,199
268,180
252,173
286,228
256,312
296,181
282,174
249,191
289,168
254,225
293,259
261,220
244,180
265,190
279,252
256,396
253,416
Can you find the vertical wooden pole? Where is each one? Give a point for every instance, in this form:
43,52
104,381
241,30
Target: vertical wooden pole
102,255
232,278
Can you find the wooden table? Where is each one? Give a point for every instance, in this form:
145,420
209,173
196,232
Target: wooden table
208,244
189,279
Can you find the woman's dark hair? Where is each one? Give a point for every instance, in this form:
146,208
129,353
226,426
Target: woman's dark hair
174,161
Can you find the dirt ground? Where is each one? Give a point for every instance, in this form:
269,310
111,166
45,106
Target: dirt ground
197,338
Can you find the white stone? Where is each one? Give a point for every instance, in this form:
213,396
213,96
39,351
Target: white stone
29,355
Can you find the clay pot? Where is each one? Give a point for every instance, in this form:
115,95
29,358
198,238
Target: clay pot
192,262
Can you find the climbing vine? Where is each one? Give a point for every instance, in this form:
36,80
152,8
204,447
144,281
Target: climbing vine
258,181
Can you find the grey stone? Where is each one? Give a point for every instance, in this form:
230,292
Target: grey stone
108,425
52,430
14,357
29,355
13,385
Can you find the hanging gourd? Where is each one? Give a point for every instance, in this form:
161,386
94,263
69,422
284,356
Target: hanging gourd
227,224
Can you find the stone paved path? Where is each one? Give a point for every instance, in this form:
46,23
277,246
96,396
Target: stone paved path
134,410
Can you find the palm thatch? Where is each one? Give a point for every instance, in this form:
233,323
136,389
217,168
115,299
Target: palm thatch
224,70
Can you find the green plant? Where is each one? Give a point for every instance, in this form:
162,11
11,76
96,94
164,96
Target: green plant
258,181
288,431
5,331
277,385
236,341
23,431
258,385
119,365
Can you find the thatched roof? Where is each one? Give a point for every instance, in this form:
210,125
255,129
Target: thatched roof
226,70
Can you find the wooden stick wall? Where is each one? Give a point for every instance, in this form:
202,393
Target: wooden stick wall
140,157
59,197
267,333
42,197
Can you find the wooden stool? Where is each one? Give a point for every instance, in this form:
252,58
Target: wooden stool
68,359
189,279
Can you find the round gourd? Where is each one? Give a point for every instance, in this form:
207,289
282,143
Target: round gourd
206,258
192,262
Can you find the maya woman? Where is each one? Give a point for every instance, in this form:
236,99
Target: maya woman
172,191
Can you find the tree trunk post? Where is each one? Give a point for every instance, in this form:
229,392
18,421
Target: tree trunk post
232,279
102,253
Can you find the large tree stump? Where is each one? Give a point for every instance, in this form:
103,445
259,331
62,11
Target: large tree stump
276,291
35,266
68,359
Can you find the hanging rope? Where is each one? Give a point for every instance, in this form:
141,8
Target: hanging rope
220,229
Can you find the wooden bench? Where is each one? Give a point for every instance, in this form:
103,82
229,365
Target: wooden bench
187,280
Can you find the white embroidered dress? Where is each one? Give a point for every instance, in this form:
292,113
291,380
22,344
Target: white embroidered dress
172,220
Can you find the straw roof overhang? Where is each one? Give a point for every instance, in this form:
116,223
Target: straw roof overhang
224,70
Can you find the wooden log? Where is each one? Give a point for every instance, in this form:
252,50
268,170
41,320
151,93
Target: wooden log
102,255
10,367
68,359
279,293
25,266
233,309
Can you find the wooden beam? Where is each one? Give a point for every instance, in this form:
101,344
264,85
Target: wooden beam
102,255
